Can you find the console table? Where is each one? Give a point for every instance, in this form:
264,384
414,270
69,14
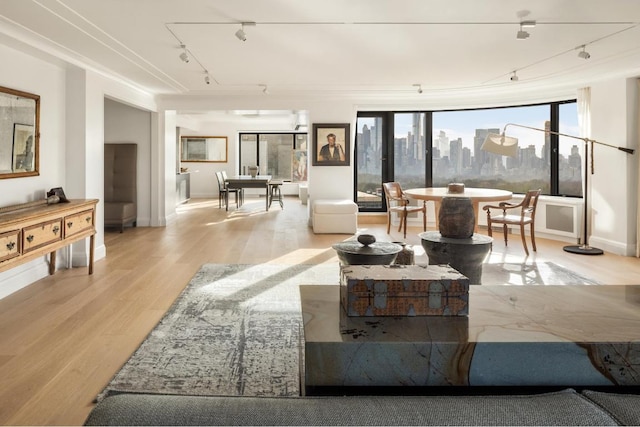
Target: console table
542,336
35,229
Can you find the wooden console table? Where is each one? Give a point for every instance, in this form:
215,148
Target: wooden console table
35,229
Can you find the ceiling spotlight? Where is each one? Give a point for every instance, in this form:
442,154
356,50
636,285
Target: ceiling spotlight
522,34
419,86
583,53
514,77
265,89
240,34
184,56
207,79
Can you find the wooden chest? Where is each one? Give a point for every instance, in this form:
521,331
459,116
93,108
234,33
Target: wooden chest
403,290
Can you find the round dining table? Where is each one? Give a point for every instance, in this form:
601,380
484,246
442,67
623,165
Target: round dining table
476,195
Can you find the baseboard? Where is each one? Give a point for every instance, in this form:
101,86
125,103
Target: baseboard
22,276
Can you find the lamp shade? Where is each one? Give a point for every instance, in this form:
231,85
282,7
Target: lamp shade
500,144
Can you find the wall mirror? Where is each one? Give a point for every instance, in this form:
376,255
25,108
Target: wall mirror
19,133
203,149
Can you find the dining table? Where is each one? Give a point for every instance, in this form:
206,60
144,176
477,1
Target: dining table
248,181
476,195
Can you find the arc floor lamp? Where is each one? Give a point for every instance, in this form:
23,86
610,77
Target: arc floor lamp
508,146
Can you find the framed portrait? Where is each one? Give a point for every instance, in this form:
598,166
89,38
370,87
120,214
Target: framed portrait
330,144
23,147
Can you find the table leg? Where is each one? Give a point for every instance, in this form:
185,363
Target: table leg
226,200
437,204
267,193
92,244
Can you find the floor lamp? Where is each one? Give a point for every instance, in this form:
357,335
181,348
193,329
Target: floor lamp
508,146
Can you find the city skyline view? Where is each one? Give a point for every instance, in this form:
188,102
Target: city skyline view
456,156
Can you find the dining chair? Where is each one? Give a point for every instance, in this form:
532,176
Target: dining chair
239,191
527,215
398,202
275,193
223,190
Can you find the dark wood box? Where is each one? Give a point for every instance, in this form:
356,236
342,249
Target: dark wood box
403,290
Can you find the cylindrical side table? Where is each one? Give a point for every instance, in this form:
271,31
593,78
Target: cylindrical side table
465,255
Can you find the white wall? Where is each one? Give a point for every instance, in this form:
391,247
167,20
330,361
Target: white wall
614,192
35,76
71,145
126,124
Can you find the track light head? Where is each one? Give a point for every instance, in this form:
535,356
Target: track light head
514,77
207,79
419,86
583,53
522,34
184,56
265,89
241,35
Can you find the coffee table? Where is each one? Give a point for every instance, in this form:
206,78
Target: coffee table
566,336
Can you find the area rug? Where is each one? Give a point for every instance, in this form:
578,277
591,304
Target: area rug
237,329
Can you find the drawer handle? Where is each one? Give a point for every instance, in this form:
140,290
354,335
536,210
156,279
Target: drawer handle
11,245
69,224
56,229
30,238
88,219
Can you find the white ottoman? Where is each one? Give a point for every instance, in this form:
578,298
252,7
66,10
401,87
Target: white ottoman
334,216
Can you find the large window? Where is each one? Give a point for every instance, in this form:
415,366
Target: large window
277,154
435,148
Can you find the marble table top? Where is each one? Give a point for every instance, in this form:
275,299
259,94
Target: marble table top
514,335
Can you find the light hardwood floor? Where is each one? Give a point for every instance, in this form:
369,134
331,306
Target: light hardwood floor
64,337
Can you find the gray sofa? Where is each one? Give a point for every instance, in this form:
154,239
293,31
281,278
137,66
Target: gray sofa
566,407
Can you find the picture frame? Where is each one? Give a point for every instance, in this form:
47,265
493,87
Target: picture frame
23,147
323,154
209,149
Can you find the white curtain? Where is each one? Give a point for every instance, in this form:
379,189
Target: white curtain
638,173
584,125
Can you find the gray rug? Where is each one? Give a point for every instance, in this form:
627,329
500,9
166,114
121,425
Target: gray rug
236,329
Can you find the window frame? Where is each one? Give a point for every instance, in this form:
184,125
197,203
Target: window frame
388,138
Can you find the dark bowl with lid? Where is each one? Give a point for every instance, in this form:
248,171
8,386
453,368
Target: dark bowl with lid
366,251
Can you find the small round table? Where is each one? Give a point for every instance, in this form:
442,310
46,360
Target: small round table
476,195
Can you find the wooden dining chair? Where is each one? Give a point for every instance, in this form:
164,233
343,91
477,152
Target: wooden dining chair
527,215
398,202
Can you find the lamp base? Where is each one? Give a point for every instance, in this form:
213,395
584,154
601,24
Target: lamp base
583,250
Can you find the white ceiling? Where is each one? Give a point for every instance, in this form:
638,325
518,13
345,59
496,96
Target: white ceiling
376,48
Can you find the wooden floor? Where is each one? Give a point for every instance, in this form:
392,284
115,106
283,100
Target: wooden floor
64,337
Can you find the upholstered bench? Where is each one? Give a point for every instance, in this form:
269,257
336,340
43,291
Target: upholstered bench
331,216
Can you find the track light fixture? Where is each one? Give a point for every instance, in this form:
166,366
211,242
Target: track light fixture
583,53
207,79
240,34
522,34
265,89
514,77
419,86
184,56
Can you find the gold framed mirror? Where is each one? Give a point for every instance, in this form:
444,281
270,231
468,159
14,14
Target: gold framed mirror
19,133
212,149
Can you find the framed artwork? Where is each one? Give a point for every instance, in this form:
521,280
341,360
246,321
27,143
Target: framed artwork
212,149
23,147
299,166
331,144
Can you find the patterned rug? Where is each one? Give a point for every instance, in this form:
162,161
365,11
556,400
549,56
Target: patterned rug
236,329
